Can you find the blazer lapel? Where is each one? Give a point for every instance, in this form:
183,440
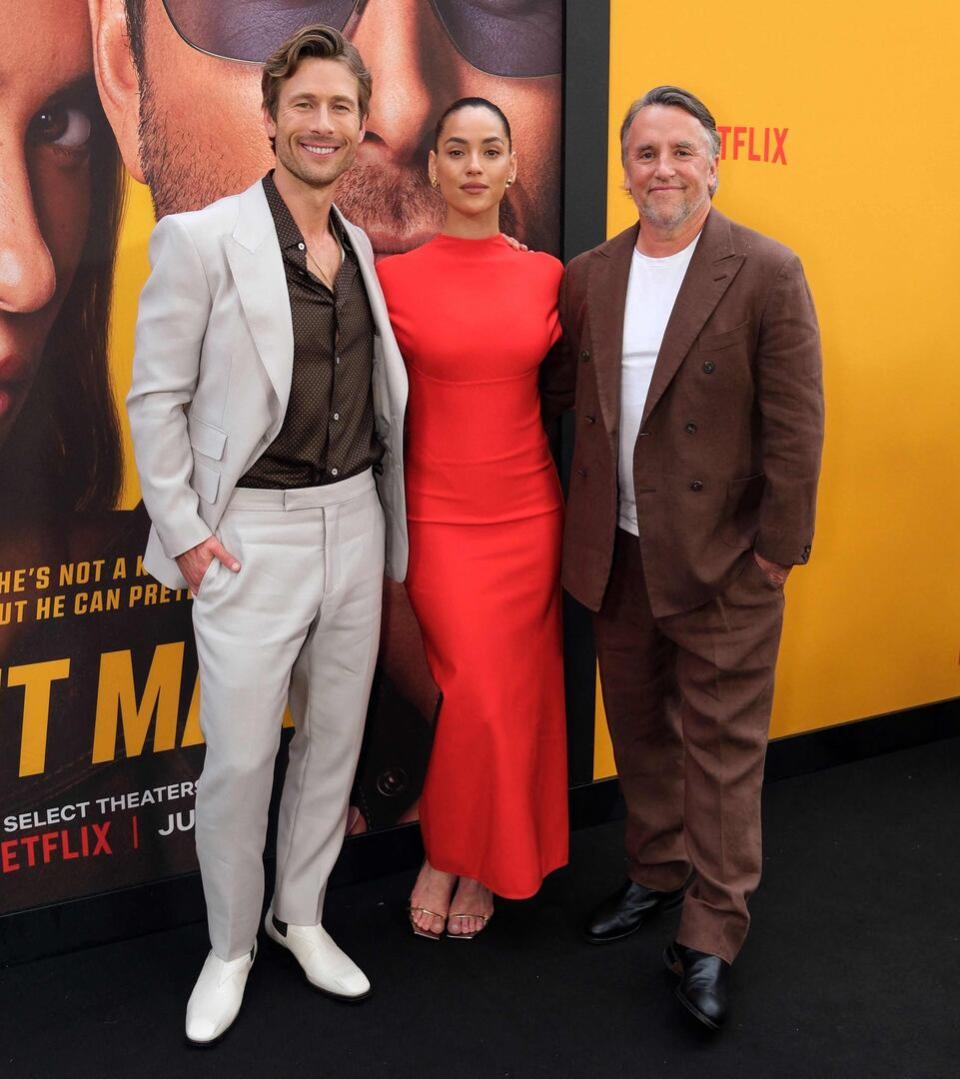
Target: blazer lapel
256,263
394,373
607,299
712,268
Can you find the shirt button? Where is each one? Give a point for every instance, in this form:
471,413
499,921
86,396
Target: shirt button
336,360
334,472
336,415
301,247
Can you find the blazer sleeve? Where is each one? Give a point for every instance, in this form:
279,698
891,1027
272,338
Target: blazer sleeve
790,399
172,319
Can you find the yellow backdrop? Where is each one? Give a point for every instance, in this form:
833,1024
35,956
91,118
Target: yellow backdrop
868,197
130,274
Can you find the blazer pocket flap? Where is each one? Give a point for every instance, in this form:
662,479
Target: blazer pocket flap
745,494
206,439
205,482
710,342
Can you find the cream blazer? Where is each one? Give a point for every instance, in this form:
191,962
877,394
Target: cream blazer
212,368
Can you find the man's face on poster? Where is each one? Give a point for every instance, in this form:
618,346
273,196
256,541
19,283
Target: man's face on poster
199,134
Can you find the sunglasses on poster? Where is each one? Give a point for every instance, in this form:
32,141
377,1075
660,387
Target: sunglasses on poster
509,38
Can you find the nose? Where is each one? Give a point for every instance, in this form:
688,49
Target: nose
321,122
665,167
28,278
397,41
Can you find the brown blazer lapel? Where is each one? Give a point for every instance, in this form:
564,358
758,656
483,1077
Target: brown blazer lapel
714,265
606,302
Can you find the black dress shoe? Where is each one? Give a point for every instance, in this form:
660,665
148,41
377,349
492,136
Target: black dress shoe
626,910
703,983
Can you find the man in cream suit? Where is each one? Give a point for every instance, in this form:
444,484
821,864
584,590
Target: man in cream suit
267,416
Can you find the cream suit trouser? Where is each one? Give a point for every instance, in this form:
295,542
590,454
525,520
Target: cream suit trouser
300,621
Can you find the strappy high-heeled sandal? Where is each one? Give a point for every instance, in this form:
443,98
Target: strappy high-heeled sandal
417,931
485,918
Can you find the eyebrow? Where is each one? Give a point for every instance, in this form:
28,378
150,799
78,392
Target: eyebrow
683,144
83,86
305,95
464,142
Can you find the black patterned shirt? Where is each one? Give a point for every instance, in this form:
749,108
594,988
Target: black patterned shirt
328,431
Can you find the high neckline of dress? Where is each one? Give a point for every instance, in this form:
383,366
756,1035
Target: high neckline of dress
462,242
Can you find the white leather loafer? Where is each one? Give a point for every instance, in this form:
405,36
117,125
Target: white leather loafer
326,967
216,998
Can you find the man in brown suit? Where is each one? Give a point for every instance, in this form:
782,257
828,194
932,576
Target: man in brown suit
694,349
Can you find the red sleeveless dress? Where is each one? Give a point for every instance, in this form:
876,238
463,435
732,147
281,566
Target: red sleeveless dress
474,320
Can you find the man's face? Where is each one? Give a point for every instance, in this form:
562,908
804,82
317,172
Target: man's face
201,136
669,168
318,129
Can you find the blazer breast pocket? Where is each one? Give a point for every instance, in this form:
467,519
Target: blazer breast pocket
713,342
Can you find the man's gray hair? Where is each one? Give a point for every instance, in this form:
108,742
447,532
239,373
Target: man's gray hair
678,99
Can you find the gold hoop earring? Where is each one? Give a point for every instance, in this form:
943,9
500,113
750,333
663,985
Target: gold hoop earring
434,182
509,183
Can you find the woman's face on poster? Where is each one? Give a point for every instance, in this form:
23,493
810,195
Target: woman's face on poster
45,126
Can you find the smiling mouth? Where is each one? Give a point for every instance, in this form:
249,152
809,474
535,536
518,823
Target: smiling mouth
319,151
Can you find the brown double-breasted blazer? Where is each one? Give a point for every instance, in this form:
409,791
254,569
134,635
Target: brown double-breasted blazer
728,454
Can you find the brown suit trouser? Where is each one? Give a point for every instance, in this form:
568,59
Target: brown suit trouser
688,702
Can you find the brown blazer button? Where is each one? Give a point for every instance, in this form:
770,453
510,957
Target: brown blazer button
590,419
697,485
585,355
691,428
709,366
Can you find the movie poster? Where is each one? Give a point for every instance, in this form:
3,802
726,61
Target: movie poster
114,112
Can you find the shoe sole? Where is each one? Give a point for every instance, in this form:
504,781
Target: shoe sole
191,1044
338,997
663,908
695,1011
674,967
213,1043
426,936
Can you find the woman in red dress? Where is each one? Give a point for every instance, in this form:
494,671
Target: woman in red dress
474,319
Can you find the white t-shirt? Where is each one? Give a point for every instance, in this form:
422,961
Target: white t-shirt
651,293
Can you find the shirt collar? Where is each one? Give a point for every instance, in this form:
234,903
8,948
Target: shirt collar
287,232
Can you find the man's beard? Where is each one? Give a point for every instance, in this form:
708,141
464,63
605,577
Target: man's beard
180,175
664,219
318,181
396,206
